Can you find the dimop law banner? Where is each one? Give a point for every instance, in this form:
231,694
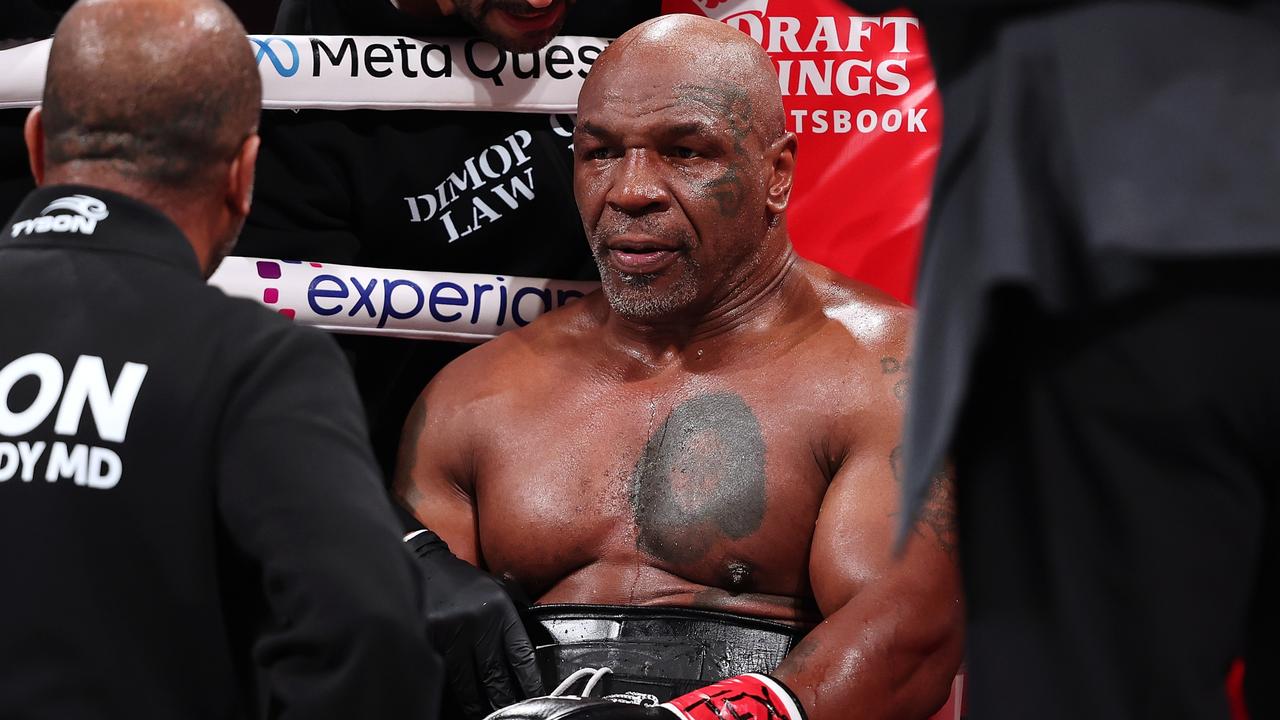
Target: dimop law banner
387,73
462,307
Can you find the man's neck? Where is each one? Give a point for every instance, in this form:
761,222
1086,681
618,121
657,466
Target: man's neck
777,294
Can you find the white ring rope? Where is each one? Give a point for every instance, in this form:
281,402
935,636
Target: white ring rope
385,73
465,307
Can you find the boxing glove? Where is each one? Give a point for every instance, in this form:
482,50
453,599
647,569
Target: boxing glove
752,696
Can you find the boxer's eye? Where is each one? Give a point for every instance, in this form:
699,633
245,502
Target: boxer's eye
684,153
599,153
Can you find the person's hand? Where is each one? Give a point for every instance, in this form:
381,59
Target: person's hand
474,624
742,696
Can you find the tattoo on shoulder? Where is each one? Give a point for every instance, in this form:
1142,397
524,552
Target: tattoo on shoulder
937,514
895,366
700,478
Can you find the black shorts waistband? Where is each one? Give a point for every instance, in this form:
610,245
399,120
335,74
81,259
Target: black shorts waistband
659,651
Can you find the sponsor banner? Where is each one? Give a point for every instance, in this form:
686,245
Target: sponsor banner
461,307
860,94
388,73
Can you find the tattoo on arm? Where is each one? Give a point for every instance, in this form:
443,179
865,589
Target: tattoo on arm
700,478
938,511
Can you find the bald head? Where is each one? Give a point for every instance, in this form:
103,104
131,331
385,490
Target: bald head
696,51
683,168
158,93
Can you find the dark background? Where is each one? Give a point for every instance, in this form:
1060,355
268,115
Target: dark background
26,19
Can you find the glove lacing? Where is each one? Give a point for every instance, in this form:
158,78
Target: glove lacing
596,674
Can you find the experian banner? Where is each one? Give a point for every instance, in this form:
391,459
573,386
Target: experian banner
463,307
341,73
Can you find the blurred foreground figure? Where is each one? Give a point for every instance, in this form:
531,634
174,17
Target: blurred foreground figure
1097,349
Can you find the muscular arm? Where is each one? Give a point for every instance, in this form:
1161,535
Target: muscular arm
488,657
433,476
891,640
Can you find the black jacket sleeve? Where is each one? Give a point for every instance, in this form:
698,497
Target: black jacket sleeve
300,497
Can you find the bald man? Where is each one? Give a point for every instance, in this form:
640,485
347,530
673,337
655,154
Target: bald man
191,519
708,447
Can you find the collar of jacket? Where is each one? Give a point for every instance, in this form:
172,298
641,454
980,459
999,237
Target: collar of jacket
91,219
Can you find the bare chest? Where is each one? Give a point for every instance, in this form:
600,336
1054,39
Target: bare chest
710,484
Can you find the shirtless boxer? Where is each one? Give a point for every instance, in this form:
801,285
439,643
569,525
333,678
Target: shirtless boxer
718,428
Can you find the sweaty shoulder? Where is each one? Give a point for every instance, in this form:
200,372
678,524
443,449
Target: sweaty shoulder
541,353
875,319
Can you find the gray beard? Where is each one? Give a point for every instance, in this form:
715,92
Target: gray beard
633,296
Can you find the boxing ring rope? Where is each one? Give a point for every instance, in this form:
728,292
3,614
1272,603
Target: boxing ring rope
386,73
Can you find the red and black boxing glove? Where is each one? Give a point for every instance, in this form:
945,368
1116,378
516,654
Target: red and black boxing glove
758,697
743,697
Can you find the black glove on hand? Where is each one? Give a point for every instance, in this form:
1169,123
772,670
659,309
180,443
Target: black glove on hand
474,624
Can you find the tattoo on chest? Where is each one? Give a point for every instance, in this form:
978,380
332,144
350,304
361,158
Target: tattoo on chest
700,478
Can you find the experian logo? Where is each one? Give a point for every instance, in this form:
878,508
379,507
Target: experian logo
85,213
265,50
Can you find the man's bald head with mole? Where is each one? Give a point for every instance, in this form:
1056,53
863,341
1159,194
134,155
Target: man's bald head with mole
681,143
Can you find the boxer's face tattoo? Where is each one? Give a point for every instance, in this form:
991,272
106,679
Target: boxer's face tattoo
733,107
672,184
700,479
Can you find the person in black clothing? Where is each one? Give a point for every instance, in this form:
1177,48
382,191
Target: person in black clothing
193,521
1097,345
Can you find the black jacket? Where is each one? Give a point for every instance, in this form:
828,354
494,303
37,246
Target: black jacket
1086,146
192,523
374,188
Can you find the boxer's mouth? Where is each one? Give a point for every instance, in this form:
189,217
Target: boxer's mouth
531,20
641,254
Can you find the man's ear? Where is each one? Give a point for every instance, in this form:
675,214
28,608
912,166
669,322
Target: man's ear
33,132
783,153
240,176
